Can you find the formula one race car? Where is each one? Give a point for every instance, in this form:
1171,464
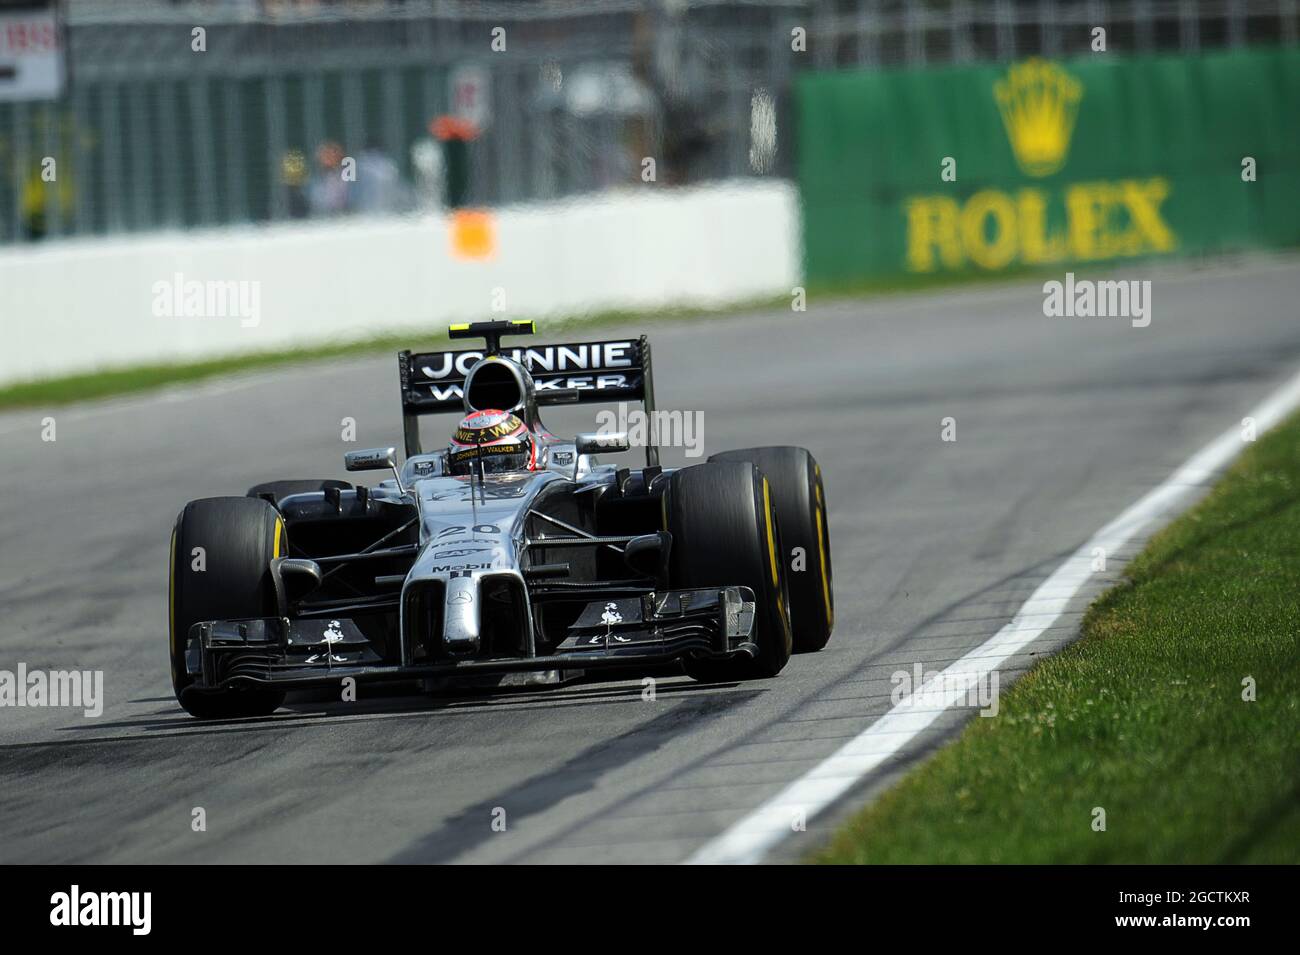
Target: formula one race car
510,556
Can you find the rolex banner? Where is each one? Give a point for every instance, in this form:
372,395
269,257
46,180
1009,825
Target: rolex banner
1089,159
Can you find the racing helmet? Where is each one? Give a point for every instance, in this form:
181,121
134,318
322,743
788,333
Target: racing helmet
500,438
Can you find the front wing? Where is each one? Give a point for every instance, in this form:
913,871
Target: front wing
300,653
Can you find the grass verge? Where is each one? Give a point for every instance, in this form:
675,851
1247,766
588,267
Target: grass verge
1144,716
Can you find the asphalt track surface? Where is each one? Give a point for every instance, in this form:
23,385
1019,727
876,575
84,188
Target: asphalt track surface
1061,424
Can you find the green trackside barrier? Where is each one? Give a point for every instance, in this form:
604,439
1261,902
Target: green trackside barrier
1100,157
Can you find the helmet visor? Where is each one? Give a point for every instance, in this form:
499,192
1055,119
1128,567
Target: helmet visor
496,458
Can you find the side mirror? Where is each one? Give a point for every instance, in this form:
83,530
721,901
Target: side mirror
594,442
371,459
375,459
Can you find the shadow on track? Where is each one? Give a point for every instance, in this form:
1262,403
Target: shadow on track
394,702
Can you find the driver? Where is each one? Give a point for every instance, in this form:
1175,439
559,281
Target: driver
500,437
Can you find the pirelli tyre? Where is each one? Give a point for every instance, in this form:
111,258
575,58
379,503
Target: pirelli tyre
276,491
800,501
221,552
724,531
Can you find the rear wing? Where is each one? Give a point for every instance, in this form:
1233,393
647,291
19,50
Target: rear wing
583,372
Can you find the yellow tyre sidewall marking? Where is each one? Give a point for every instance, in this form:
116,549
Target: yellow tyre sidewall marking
821,547
771,540
776,572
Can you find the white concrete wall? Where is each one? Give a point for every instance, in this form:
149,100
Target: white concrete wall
83,304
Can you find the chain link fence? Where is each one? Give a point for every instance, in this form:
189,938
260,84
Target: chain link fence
185,115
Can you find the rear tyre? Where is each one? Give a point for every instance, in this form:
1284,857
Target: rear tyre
801,508
279,490
725,532
239,537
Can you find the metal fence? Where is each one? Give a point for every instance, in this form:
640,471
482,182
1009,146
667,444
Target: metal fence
183,115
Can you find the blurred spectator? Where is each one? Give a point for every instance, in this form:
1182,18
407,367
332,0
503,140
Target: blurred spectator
38,194
328,193
429,166
293,172
379,186
455,134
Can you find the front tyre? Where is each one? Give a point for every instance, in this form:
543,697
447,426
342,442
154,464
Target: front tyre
221,552
806,535
724,533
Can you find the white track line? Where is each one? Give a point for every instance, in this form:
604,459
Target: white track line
748,840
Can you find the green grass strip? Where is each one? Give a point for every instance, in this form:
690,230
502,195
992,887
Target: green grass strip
1144,716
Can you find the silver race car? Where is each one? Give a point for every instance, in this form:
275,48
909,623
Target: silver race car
510,555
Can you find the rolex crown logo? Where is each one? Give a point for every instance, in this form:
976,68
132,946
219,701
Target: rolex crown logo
1039,102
